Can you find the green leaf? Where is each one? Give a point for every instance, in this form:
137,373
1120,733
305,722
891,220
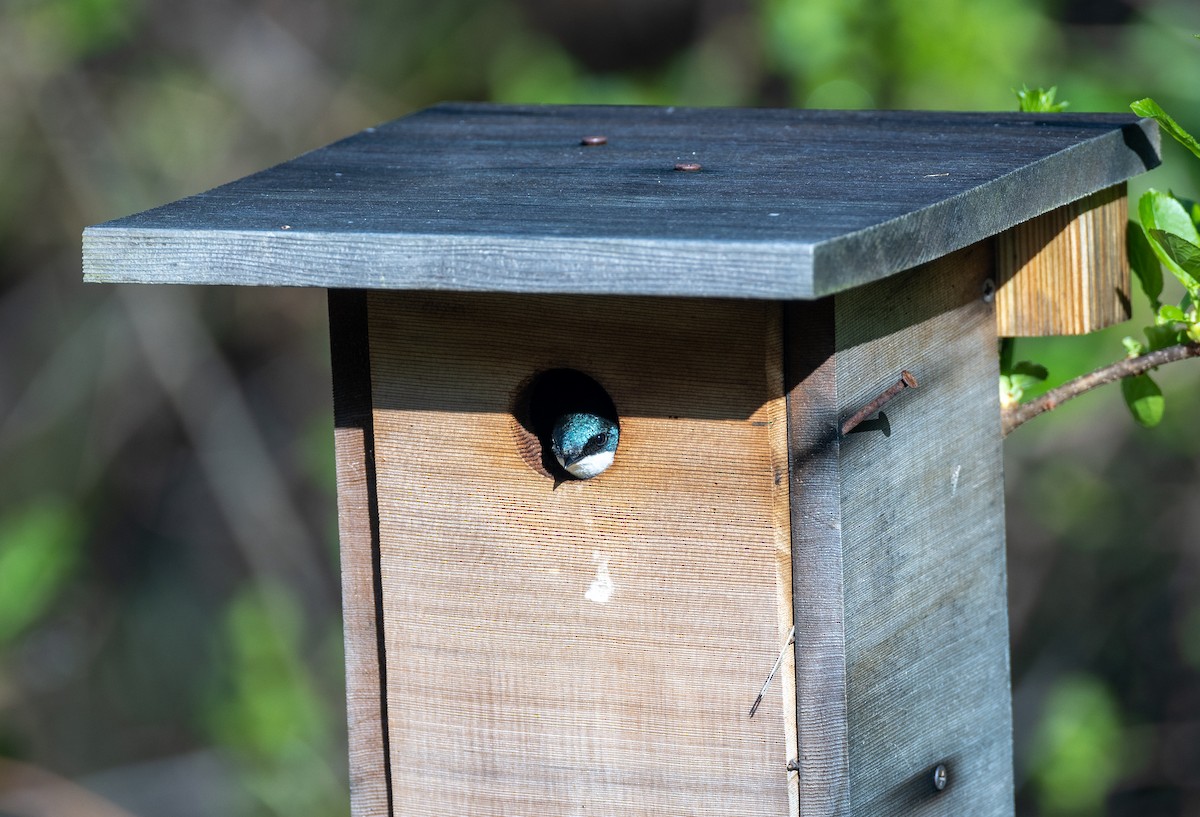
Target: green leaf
1144,398
1162,211
1183,252
1161,337
1168,313
39,548
1144,262
1010,395
1006,354
1034,372
1020,383
1038,100
1133,348
1148,107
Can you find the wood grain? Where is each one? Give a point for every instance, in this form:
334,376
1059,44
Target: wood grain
1065,272
591,648
922,532
817,591
789,204
358,526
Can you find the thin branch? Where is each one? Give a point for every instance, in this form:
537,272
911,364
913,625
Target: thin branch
1015,416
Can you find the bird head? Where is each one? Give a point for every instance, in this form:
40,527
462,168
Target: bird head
584,444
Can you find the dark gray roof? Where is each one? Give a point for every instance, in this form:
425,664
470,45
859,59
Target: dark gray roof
788,203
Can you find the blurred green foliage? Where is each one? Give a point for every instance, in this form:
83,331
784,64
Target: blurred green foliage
1079,748
169,481
39,550
266,709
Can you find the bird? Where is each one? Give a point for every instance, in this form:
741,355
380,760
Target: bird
584,443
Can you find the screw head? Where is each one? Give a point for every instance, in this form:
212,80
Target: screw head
592,141
688,167
793,765
989,291
940,777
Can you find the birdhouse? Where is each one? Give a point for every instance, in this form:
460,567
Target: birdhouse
644,412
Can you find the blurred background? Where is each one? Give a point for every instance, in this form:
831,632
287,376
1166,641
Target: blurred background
170,639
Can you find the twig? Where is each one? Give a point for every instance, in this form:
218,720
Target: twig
1015,416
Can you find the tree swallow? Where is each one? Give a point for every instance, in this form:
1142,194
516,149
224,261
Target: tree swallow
584,444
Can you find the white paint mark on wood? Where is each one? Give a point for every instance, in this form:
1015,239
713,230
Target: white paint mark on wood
602,587
954,480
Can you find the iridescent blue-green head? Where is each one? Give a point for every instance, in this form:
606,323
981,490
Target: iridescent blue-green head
584,444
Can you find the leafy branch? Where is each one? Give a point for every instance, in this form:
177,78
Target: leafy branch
1166,235
1129,371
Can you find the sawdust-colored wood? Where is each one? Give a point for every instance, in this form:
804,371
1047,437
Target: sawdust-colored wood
358,528
514,685
1065,272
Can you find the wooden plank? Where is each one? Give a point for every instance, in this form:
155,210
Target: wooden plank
789,204
817,592
591,648
358,524
1065,272
922,530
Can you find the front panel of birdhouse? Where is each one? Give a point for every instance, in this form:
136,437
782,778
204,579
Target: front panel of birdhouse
558,646
520,642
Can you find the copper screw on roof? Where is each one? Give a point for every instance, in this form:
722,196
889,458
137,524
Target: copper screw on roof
688,167
906,381
592,141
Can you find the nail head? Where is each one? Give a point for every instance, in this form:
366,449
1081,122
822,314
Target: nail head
940,777
592,141
688,167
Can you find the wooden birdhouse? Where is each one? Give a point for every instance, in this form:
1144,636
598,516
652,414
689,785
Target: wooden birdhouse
739,293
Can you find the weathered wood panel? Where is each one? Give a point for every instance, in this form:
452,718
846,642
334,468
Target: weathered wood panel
923,546
817,594
358,525
1065,272
789,204
590,648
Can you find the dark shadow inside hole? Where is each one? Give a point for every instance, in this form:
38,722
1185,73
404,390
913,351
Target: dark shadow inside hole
542,400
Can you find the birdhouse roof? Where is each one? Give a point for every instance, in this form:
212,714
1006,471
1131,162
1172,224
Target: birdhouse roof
785,204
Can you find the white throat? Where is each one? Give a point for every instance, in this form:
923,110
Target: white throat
590,465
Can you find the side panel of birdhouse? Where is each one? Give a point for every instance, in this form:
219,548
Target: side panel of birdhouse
582,646
902,684
922,532
358,526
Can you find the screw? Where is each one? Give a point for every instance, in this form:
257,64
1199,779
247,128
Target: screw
793,765
592,141
906,381
688,167
940,777
989,291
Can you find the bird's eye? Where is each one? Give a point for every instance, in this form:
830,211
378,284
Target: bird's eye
597,442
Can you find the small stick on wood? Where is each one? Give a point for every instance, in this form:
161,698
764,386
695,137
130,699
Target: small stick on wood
1018,415
791,638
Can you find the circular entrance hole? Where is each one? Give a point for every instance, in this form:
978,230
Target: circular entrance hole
564,413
